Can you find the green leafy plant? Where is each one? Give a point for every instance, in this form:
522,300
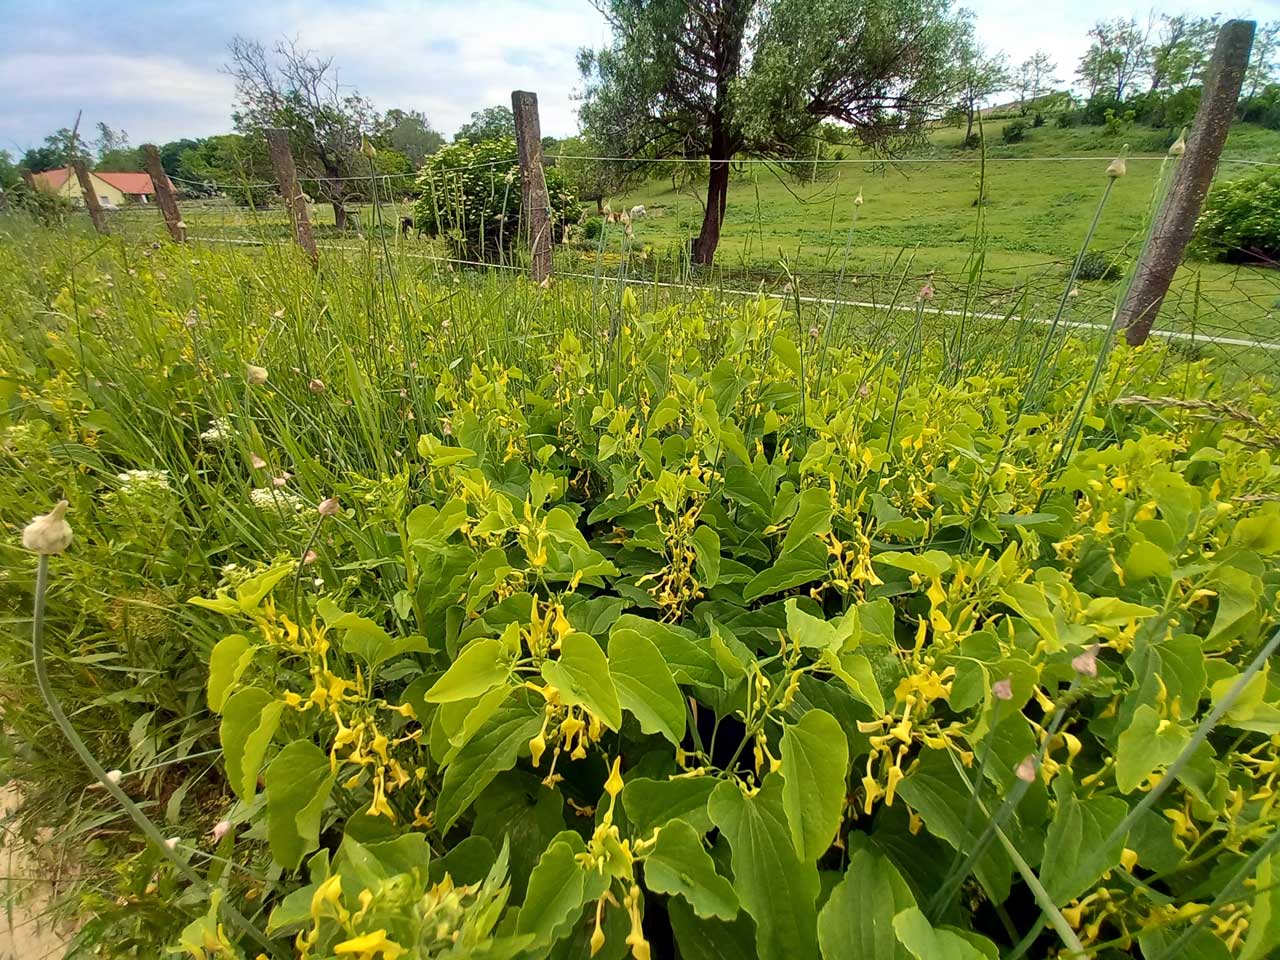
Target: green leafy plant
1241,219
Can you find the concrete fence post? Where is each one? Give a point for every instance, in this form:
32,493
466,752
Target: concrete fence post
287,176
1176,220
165,199
91,201
535,205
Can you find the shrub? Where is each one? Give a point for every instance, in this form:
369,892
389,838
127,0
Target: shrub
1096,265
1067,119
1241,219
592,228
470,194
972,142
1014,132
1037,120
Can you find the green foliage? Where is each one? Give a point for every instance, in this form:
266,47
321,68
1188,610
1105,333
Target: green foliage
1241,219
618,634
1096,265
1014,132
491,123
470,194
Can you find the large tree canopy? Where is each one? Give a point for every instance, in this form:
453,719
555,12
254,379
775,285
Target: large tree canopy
713,78
299,91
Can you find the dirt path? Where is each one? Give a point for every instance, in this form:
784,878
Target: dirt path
24,933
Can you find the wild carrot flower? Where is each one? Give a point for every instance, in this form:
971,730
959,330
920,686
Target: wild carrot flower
48,533
219,429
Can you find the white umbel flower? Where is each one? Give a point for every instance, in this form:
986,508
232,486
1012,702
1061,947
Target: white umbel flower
49,533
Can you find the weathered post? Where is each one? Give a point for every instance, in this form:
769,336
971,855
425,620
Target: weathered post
1176,219
165,199
91,201
287,177
535,205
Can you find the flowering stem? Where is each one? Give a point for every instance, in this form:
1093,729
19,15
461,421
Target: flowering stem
302,561
149,829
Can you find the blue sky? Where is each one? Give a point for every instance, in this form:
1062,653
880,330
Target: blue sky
153,68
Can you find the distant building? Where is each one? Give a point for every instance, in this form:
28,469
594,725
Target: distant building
113,189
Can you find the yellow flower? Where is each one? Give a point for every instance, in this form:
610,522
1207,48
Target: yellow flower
370,946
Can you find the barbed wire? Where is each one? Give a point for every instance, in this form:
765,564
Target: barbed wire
872,161
1178,335
412,174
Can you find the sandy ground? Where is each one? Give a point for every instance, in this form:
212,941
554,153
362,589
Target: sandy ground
24,933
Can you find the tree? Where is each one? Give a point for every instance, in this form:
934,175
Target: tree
410,133
120,160
232,164
589,179
1264,62
1035,75
713,78
298,91
57,147
1116,58
109,140
982,75
1182,46
491,123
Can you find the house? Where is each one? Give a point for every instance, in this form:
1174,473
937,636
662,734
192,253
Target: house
113,189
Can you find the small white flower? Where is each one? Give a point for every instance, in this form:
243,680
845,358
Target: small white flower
266,498
219,429
48,533
143,481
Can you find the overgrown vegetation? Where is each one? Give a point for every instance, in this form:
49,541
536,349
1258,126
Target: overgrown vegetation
440,614
1241,219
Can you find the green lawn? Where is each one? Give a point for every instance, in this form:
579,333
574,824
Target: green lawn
919,218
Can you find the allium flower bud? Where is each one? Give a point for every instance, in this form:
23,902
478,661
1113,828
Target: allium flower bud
1179,146
256,461
1003,689
281,480
1073,292
366,148
309,557
1116,168
49,533
1086,664
113,777
316,385
814,332
255,375
1026,770
327,507
172,843
926,292
220,830
857,201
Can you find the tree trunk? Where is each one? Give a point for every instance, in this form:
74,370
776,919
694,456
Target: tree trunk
340,215
968,130
704,250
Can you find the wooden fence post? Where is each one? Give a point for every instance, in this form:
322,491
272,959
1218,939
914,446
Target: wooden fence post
535,205
1176,219
165,198
91,201
287,177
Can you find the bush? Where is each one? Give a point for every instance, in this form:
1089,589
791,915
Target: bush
1014,132
1241,219
972,142
592,228
1037,120
1067,119
470,194
1095,265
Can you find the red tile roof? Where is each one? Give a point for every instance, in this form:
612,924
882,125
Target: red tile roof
132,184
52,179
